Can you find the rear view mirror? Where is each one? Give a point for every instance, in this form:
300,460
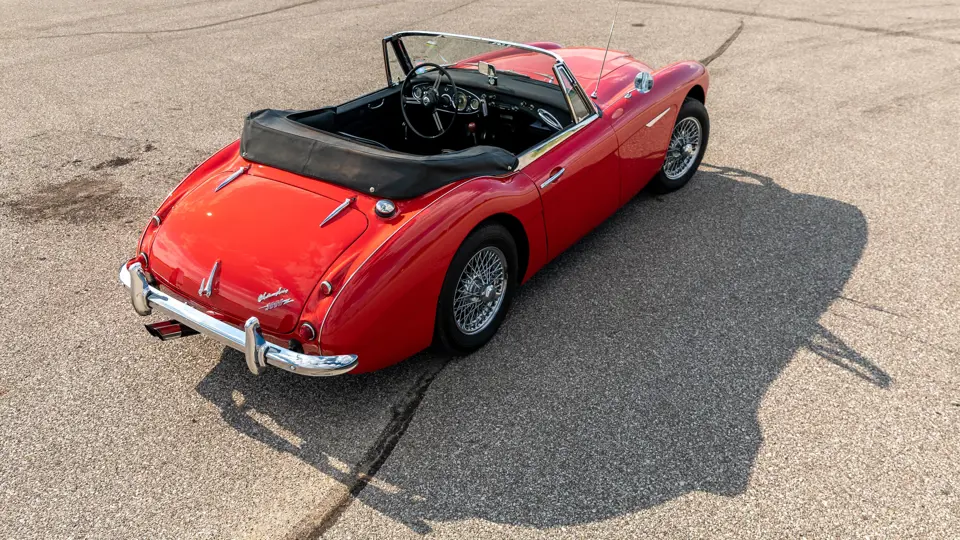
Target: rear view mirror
488,70
643,82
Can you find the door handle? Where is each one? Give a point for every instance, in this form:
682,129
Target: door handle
553,178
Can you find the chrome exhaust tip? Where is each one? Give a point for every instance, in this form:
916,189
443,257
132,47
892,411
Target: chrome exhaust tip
168,330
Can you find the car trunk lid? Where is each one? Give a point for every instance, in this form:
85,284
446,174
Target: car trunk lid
267,237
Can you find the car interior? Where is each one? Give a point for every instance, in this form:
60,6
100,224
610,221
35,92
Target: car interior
516,113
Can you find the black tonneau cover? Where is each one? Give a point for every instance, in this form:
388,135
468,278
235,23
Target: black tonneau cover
273,138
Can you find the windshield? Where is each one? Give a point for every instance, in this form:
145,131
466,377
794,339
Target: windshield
466,53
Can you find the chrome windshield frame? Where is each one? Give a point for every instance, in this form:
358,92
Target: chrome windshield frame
559,66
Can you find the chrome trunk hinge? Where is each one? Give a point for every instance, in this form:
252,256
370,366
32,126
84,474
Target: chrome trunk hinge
337,210
231,178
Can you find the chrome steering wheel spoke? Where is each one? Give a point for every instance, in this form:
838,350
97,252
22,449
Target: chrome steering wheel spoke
429,100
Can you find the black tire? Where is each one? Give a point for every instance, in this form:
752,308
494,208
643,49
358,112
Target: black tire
448,337
690,108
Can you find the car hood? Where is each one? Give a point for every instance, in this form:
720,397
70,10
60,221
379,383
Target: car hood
267,237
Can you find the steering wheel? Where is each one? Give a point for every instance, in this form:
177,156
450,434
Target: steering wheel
429,99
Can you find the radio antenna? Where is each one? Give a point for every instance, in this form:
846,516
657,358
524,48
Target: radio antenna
612,24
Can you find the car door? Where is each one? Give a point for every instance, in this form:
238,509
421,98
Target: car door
644,123
579,182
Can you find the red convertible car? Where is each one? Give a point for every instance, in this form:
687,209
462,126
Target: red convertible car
348,238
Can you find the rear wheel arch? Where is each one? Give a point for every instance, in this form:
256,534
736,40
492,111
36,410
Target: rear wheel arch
341,332
515,227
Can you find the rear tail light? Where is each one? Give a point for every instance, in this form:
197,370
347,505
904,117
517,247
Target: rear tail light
306,332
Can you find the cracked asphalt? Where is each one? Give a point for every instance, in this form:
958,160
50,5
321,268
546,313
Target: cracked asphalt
773,351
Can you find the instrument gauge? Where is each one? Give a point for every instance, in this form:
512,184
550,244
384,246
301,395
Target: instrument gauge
474,104
417,92
461,101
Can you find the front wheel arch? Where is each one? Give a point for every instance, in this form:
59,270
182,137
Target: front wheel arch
691,108
697,93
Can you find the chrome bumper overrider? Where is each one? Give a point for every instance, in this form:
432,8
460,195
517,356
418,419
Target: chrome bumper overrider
249,340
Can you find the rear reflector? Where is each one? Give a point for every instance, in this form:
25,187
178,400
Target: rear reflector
169,330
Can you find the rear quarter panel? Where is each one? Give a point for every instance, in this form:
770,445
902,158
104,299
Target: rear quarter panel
386,309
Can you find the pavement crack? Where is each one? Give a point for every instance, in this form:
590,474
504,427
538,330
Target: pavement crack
868,305
186,28
848,26
723,46
449,10
375,456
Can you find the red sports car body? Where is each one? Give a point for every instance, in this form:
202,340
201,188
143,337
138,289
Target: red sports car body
349,238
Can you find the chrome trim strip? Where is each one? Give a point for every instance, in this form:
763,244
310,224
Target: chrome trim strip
231,178
556,176
258,352
156,219
532,154
659,116
337,210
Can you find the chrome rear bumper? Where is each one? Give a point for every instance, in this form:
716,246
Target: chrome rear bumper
249,340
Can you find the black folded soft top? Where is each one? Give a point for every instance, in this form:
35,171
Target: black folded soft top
274,138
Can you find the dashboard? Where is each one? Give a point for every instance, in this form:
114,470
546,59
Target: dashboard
464,101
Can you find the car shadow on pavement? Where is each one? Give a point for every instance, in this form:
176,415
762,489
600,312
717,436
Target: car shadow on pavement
629,372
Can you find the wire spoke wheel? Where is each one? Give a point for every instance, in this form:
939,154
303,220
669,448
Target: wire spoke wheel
684,148
480,290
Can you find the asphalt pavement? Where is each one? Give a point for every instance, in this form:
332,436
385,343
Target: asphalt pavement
773,351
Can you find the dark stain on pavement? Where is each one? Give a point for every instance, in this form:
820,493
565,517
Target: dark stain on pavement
118,161
84,199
